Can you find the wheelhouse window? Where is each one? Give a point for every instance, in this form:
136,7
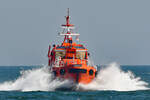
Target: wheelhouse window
80,54
61,53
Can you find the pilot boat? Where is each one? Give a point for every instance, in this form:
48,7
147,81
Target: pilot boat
70,60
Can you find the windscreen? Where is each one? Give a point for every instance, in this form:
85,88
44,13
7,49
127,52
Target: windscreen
60,54
80,54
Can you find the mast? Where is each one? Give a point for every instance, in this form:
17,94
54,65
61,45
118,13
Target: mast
68,29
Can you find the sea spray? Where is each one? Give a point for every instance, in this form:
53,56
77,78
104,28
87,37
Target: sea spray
113,78
109,78
37,79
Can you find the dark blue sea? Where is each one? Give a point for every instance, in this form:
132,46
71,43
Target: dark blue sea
114,82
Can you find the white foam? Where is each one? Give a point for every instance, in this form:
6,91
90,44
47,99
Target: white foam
113,78
33,80
109,78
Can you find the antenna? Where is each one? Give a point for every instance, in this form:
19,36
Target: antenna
67,18
68,11
68,29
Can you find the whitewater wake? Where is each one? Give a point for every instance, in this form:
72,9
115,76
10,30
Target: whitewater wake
113,78
38,79
109,78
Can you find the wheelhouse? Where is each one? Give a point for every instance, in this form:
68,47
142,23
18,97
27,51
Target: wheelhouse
70,53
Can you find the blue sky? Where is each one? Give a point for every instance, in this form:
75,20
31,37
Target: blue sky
112,30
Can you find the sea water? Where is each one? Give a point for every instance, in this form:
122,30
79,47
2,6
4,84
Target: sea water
113,82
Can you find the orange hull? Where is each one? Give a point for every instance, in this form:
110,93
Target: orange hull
78,75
